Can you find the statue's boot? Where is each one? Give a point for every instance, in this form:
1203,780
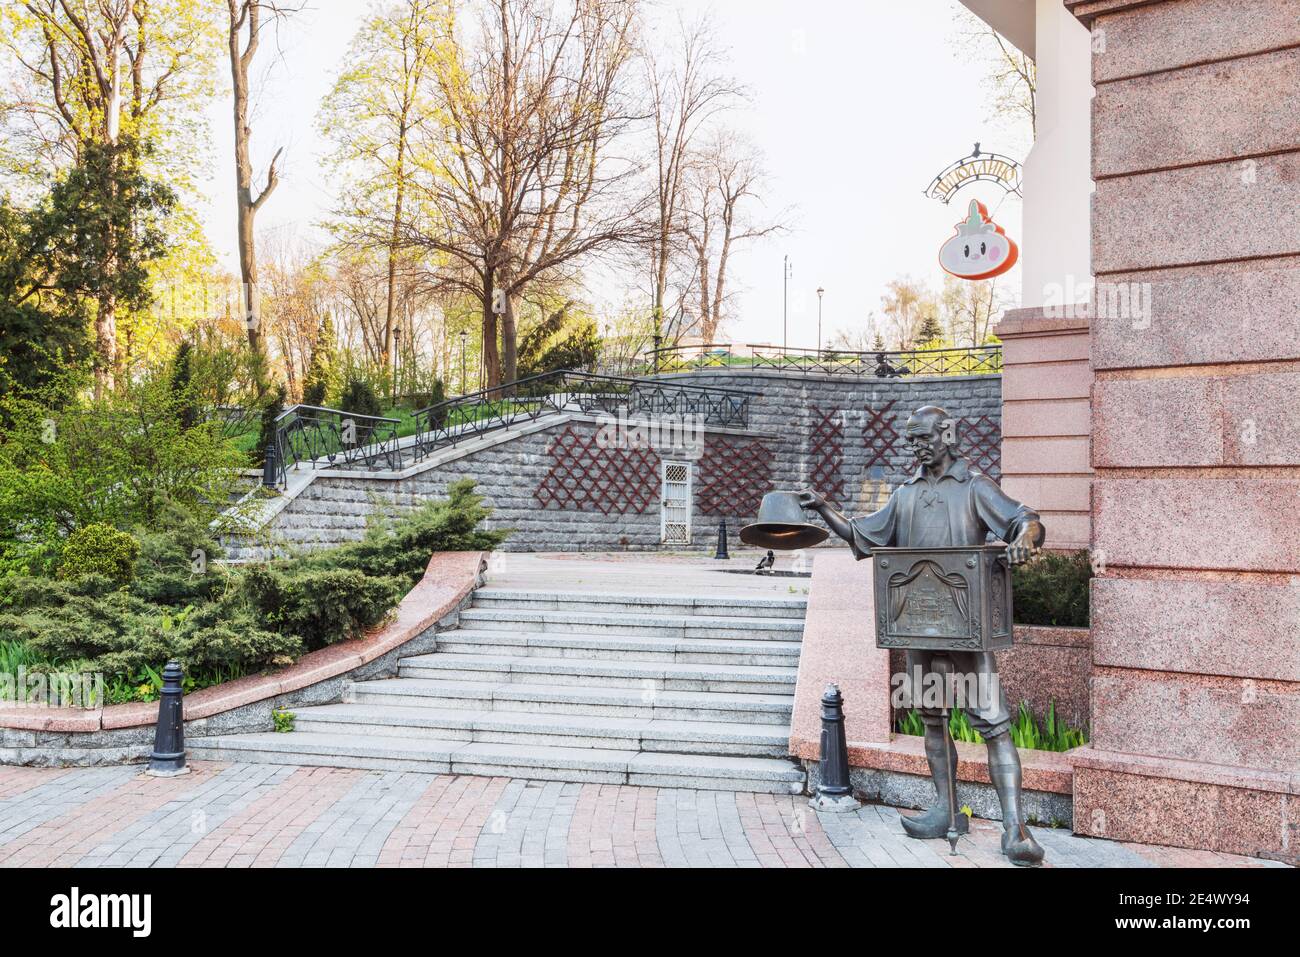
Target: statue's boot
934,821
1004,769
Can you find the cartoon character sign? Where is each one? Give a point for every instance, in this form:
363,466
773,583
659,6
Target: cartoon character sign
980,250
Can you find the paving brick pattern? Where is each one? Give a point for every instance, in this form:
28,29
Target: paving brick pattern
253,815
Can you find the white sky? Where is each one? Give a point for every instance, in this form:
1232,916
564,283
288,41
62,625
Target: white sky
855,106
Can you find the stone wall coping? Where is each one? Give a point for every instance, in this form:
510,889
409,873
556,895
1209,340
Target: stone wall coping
1195,772
1037,322
448,579
1058,636
1088,10
1050,771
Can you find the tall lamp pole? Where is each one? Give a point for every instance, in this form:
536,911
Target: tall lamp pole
785,304
820,292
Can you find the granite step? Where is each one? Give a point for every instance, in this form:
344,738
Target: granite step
739,651
535,762
646,702
585,601
638,623
572,731
589,673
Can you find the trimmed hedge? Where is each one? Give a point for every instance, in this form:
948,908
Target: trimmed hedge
1053,590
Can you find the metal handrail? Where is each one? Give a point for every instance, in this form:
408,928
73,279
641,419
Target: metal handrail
525,400
889,363
315,434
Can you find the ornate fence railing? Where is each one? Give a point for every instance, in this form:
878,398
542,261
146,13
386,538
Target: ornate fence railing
967,360
526,400
324,438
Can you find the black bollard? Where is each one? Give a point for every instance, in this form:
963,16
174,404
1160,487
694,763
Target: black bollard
834,793
722,541
168,758
271,467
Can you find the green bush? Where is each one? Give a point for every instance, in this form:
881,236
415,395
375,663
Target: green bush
402,549
174,562
225,622
1053,590
320,606
359,398
99,549
119,461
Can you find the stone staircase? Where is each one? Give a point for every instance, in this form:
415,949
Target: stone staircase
580,686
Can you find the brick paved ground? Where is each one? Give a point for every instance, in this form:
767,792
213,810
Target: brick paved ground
249,815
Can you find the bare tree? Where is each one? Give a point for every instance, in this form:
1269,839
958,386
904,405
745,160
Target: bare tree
370,113
247,19
520,183
727,179
906,304
1009,72
969,309
686,92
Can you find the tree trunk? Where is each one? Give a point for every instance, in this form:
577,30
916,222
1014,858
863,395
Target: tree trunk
491,358
105,344
392,246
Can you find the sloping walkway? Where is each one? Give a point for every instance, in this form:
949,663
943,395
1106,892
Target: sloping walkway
257,815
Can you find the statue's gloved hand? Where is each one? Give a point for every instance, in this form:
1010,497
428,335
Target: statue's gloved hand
812,500
1023,548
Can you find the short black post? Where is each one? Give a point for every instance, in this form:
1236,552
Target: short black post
834,792
168,758
271,467
722,541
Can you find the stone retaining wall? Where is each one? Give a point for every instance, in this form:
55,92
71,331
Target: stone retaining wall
841,434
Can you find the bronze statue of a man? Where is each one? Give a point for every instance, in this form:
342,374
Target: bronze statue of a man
949,503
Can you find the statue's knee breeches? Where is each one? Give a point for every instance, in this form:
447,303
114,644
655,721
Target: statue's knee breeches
938,681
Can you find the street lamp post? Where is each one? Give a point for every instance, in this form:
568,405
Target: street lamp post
820,292
785,304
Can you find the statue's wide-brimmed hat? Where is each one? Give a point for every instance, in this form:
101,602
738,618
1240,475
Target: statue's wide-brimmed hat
782,525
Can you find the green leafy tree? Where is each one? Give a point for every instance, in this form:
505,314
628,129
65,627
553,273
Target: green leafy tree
119,460
42,330
92,238
931,332
319,382
560,341
182,386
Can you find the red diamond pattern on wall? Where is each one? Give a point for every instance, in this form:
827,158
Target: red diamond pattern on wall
732,477
826,452
981,442
584,477
879,434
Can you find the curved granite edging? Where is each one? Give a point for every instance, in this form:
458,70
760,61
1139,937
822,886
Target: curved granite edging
49,737
839,647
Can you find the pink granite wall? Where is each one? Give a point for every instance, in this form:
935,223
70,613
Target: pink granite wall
1196,426
1046,381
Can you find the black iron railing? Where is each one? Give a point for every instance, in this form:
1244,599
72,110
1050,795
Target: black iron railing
527,400
967,360
328,438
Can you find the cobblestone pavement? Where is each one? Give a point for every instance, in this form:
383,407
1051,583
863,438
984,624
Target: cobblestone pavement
253,815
